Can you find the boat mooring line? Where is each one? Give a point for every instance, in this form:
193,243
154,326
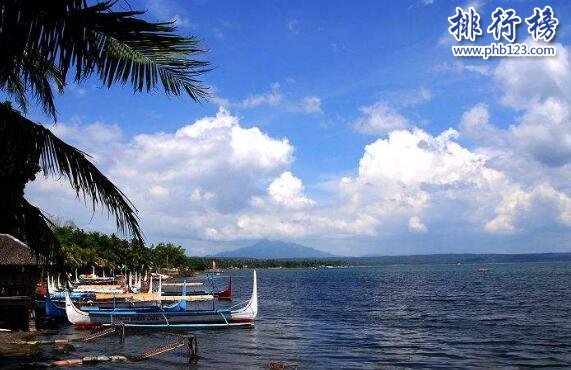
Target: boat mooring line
95,335
157,351
99,334
192,347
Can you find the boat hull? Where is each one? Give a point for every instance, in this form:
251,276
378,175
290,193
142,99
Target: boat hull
163,319
244,315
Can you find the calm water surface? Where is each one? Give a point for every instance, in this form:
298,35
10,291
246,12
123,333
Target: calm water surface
514,315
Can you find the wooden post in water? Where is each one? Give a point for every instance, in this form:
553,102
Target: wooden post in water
122,333
31,319
192,349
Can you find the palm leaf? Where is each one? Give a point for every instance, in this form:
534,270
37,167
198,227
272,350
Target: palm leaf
35,76
57,158
38,235
117,46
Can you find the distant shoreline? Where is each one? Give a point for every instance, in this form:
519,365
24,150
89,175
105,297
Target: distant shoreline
428,259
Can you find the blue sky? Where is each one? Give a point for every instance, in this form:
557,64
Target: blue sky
322,100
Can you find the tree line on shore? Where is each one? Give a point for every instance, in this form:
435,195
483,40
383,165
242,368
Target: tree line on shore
82,250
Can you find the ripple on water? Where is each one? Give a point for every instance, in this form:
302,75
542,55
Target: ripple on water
516,315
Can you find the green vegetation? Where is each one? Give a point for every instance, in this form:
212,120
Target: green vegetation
82,250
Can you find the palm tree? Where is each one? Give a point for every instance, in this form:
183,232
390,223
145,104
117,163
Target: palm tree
44,42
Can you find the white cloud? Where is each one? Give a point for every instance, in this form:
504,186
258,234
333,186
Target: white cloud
193,182
310,105
416,225
412,171
539,88
217,180
527,80
542,203
272,98
77,90
199,195
480,69
287,190
475,125
412,98
414,157
425,94
253,146
544,131
379,118
159,192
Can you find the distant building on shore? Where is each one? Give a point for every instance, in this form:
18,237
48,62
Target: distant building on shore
19,274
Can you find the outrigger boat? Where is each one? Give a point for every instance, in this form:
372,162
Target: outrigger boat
222,295
54,307
54,310
242,314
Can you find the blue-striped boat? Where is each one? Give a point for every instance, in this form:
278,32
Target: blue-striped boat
54,310
242,314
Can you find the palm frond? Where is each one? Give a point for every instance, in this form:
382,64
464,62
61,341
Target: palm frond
57,158
117,46
39,236
35,76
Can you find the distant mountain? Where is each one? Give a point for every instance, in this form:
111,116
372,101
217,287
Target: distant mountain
275,249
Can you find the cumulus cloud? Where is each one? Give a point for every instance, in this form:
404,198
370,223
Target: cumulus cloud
379,118
544,132
412,171
543,201
218,179
528,80
213,166
476,126
535,150
287,190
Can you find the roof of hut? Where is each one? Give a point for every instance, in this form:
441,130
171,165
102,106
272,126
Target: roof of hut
15,252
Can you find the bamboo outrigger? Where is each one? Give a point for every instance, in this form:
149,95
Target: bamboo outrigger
242,314
154,296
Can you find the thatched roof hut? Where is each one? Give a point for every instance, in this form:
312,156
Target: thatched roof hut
14,252
19,274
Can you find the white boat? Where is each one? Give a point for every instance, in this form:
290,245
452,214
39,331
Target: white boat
242,314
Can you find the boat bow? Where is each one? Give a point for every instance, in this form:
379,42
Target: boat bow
74,314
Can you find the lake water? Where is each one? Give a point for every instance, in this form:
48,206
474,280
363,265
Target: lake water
513,315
